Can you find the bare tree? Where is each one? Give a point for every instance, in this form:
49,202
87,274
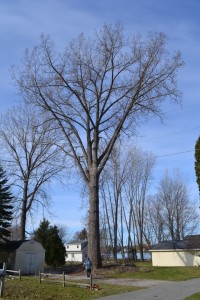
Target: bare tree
64,233
111,188
173,213
15,232
124,186
81,235
139,177
154,229
95,90
31,157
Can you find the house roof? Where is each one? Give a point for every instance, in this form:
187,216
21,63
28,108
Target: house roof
189,243
83,244
194,239
77,242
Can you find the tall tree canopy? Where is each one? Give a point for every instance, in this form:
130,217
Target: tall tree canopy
96,90
49,237
197,162
6,207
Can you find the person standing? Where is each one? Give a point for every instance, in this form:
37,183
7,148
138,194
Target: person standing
88,266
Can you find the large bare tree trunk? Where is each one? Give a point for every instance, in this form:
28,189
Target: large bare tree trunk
94,240
24,212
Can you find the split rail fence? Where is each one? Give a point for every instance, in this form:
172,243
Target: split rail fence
12,273
3,273
61,278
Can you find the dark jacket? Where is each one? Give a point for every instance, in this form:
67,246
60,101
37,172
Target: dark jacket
88,264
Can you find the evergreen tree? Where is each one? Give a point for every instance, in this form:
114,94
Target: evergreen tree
197,161
5,207
49,237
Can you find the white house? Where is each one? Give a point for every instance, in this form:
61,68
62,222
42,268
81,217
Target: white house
179,253
76,251
26,255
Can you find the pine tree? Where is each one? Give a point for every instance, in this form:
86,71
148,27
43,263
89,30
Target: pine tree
197,161
49,237
5,207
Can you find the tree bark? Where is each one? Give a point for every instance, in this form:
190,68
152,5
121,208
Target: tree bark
94,240
23,212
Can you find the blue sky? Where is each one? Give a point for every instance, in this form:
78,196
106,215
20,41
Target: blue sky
21,24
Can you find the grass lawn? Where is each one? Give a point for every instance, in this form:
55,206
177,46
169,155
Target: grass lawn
146,271
30,289
194,297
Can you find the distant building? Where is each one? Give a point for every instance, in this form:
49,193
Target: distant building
26,255
76,251
182,253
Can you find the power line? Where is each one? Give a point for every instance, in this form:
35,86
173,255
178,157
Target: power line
176,153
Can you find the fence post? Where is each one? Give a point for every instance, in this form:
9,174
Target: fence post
2,286
2,280
20,274
63,279
39,277
90,281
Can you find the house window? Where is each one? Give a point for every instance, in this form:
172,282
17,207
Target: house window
77,246
72,255
67,247
66,255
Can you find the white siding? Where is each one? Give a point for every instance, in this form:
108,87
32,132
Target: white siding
75,252
74,257
30,257
72,247
172,258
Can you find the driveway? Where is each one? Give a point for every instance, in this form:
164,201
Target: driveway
156,289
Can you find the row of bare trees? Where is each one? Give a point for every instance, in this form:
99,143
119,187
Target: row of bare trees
130,216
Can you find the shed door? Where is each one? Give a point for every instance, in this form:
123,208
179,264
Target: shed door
30,263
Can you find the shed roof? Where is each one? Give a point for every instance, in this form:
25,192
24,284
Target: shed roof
189,243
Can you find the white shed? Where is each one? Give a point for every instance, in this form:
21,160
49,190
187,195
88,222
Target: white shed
76,251
26,255
181,253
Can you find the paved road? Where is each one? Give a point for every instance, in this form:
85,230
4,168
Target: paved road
159,290
153,289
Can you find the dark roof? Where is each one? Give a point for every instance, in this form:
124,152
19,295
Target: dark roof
12,245
186,244
192,236
78,242
193,240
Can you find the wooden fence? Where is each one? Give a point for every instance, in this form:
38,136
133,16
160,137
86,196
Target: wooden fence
61,278
12,273
3,273
2,279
